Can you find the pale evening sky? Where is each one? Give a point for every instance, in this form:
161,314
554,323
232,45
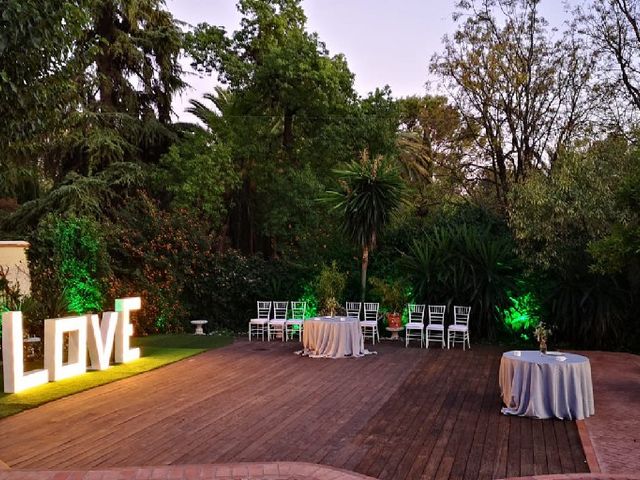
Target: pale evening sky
386,42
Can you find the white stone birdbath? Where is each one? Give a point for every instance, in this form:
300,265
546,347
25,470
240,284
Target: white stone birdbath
199,324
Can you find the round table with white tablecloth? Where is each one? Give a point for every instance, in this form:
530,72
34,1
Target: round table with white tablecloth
553,385
332,337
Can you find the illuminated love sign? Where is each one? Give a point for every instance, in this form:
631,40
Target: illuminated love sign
101,338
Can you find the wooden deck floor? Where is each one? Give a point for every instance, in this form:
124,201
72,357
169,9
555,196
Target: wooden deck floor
404,413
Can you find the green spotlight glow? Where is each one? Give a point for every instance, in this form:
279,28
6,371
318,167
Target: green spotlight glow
522,316
78,248
309,296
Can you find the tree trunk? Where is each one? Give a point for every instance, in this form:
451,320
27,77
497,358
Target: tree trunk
365,265
105,64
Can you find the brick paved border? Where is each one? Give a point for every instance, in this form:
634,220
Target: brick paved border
580,476
228,471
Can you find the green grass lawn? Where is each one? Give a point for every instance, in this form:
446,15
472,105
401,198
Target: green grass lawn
157,350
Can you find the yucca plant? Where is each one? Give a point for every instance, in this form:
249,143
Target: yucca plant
370,191
464,265
589,309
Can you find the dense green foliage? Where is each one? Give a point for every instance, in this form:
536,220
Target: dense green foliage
516,194
465,265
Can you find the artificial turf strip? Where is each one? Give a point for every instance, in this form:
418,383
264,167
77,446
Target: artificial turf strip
157,351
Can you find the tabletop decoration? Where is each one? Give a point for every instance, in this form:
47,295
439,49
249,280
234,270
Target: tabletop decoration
542,333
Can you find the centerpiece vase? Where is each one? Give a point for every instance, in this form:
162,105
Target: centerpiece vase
543,346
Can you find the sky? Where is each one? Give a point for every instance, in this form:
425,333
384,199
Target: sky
386,42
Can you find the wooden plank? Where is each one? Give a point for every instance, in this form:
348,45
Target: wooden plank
564,450
420,453
526,447
502,453
490,448
113,418
551,447
579,448
415,407
539,455
337,453
513,455
451,407
459,447
318,413
435,384
137,444
488,409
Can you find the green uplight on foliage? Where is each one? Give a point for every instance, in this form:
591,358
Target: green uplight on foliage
78,248
161,322
522,316
411,299
309,296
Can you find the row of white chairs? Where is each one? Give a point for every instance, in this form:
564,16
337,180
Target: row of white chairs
435,329
415,328
280,323
274,320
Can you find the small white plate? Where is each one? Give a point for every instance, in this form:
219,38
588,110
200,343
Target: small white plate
555,354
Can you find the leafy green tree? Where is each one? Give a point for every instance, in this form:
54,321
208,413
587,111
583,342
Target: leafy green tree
276,67
619,250
37,61
613,30
436,151
556,216
137,42
465,264
370,192
38,64
198,173
560,221
96,196
525,94
287,115
112,79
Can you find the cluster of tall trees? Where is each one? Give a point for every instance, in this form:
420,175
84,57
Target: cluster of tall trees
529,138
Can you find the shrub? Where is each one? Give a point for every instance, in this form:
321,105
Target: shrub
69,265
224,287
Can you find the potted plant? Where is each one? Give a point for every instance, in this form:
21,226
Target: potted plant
392,296
330,287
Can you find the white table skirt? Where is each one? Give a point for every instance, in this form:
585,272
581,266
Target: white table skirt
543,386
332,337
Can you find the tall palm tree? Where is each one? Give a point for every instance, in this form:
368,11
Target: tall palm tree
370,191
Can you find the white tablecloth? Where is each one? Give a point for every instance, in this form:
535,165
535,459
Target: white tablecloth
545,386
332,337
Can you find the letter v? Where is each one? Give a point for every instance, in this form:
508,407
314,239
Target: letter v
100,339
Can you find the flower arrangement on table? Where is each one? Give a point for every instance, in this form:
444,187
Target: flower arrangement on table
542,333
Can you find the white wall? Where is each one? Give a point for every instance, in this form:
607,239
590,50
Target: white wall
13,256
